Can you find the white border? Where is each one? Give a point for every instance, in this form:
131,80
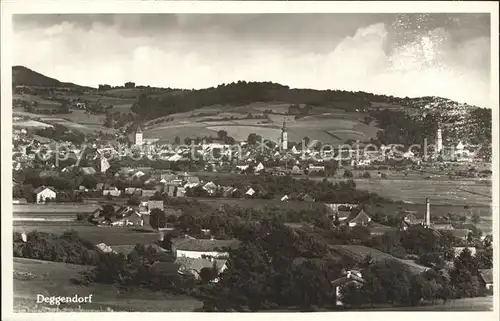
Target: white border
10,7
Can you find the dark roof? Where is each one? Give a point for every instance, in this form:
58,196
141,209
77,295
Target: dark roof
345,280
486,275
165,268
155,204
203,245
41,188
358,217
460,233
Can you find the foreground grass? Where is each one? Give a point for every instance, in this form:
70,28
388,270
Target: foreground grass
32,277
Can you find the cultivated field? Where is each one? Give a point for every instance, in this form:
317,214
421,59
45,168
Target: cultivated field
333,127
32,277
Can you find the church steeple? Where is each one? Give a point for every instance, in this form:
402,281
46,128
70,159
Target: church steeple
284,136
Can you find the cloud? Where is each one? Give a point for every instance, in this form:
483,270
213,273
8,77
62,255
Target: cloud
430,64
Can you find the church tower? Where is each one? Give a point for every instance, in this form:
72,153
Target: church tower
138,136
284,136
439,140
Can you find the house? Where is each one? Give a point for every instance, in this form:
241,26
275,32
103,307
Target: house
193,266
305,197
358,218
442,227
44,193
350,277
102,247
250,192
196,248
228,191
155,204
159,188
486,278
259,168
170,190
458,250
148,192
111,191
130,218
167,178
88,170
138,174
192,180
165,268
296,170
210,187
99,186
181,191
130,190
461,233
284,198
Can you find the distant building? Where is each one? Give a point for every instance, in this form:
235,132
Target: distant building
111,191
486,278
284,136
138,136
198,248
104,165
44,193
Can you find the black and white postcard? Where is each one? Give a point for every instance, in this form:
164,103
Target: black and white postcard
249,157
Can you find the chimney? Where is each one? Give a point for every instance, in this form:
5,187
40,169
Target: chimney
427,213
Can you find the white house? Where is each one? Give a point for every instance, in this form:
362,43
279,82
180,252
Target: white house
43,193
138,174
259,167
250,192
200,248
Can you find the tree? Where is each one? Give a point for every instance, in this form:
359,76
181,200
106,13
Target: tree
158,218
253,139
476,218
347,173
208,274
108,211
177,140
222,134
463,276
187,141
134,200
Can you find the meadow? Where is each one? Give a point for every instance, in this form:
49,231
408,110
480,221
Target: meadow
95,234
32,277
332,126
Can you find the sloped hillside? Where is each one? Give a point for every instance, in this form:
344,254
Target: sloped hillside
22,76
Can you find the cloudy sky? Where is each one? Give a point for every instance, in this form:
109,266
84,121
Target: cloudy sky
445,55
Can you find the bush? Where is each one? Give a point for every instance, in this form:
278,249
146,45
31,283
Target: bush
366,175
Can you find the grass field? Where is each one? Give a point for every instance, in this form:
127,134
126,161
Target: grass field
54,208
95,234
440,191
32,277
333,127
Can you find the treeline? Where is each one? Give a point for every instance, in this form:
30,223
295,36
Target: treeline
321,191
241,93
401,128
67,248
61,133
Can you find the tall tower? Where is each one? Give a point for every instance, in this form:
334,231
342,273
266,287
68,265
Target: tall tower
104,164
439,140
427,213
284,136
138,136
